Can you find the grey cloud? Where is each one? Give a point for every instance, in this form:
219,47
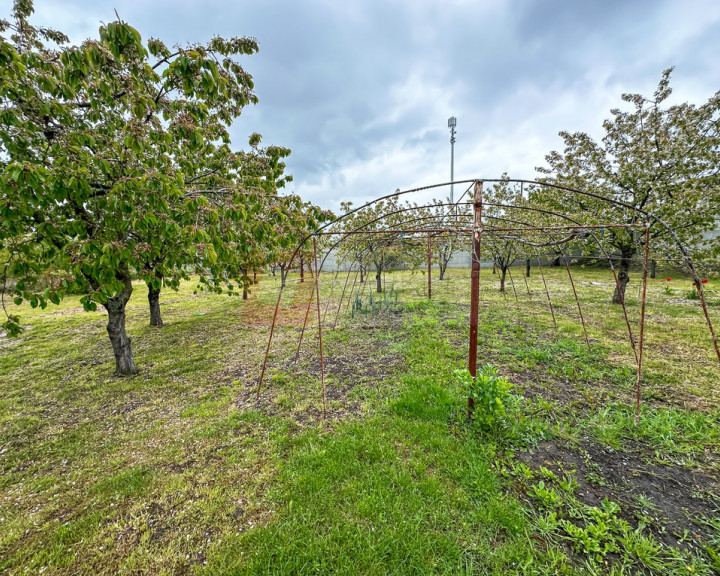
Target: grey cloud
345,85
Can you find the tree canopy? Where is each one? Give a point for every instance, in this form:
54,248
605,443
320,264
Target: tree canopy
115,159
664,159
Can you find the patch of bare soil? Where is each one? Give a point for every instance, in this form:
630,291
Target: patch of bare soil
67,311
258,313
560,390
680,497
347,365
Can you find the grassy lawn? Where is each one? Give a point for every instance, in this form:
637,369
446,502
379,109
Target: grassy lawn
180,470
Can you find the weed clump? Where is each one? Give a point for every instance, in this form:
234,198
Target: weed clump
490,394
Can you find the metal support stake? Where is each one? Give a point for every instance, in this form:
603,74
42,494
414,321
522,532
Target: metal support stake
707,315
642,323
475,287
513,286
698,285
582,319
527,286
429,255
267,350
343,295
317,299
547,292
307,315
352,291
332,288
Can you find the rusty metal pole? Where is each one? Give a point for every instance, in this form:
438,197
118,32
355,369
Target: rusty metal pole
347,306
624,307
342,296
475,287
642,323
547,292
527,287
429,255
307,315
707,315
701,294
577,300
513,285
267,350
317,299
332,288
530,298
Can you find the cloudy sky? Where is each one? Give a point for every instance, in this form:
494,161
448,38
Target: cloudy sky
361,91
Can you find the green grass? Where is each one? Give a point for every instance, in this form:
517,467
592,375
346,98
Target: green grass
179,470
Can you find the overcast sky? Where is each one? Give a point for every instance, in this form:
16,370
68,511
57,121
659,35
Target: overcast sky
361,91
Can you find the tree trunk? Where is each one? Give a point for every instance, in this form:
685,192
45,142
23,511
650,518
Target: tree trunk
494,267
623,280
442,270
115,306
283,275
527,267
623,276
653,268
378,279
503,269
154,301
255,280
362,276
245,293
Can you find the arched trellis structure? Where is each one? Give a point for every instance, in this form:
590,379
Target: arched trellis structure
473,224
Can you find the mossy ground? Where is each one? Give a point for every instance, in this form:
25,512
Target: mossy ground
180,470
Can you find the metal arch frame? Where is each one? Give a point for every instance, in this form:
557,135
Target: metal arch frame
478,185
526,227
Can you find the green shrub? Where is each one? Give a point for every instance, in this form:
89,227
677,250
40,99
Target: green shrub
490,393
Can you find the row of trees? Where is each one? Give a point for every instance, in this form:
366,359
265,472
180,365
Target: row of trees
392,233
116,161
